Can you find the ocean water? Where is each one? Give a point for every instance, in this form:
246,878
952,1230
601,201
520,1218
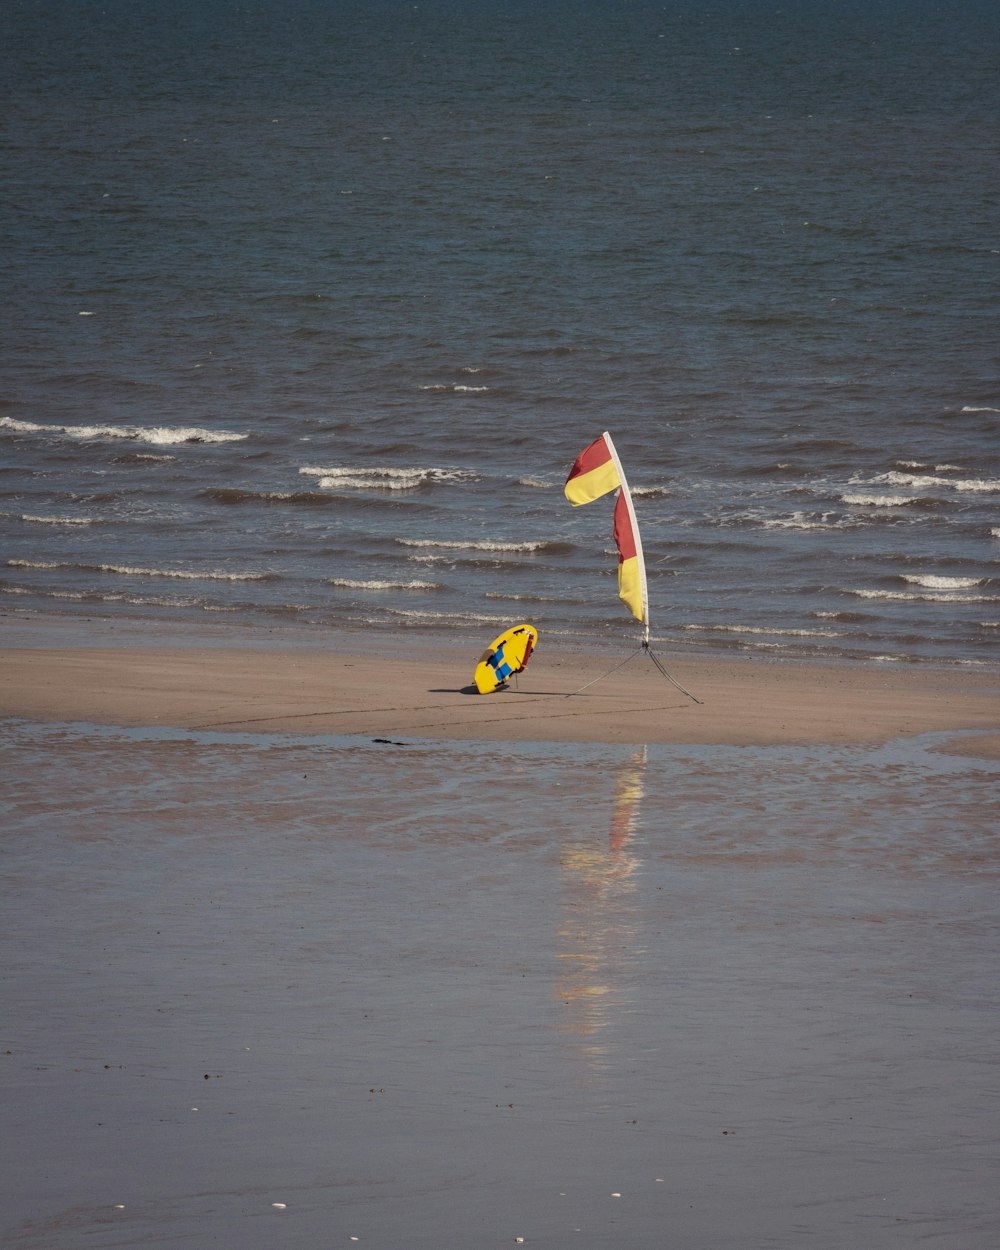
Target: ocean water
310,306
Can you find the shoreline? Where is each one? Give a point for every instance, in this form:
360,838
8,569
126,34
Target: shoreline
195,680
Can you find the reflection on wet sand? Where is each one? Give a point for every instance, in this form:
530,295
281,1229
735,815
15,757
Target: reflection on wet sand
597,929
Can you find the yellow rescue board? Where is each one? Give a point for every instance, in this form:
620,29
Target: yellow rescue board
505,657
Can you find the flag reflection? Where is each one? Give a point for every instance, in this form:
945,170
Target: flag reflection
597,927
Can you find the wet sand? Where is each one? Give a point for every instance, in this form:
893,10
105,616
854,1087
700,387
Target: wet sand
319,972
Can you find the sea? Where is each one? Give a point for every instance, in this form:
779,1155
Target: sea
310,306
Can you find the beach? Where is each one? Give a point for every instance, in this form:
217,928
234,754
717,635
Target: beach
566,695
314,307
314,947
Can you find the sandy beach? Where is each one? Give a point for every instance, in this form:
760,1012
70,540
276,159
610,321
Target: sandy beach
308,947
429,694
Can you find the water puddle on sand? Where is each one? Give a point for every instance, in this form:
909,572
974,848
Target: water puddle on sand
454,994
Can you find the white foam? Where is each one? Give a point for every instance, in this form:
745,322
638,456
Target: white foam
933,581
483,545
350,583
343,482
457,388
156,435
536,483
878,501
450,618
91,596
760,629
340,477
57,520
127,570
941,596
508,597
971,408
803,521
928,481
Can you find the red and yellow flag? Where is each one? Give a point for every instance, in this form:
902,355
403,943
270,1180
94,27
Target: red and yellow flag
629,573
593,474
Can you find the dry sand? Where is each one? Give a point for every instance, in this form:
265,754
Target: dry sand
428,696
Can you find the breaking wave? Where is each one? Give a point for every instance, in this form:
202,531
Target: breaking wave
344,478
925,596
932,581
528,548
351,583
28,519
127,570
926,481
456,388
416,618
810,521
867,500
95,596
777,631
158,436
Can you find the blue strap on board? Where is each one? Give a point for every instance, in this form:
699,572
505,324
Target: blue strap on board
499,664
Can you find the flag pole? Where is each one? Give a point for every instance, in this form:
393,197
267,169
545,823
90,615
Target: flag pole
589,466
643,587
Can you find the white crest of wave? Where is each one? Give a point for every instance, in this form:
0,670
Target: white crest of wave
972,408
761,629
472,545
57,520
924,596
927,481
128,570
456,388
509,597
92,596
341,477
159,436
449,618
934,581
351,583
864,500
803,521
536,483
